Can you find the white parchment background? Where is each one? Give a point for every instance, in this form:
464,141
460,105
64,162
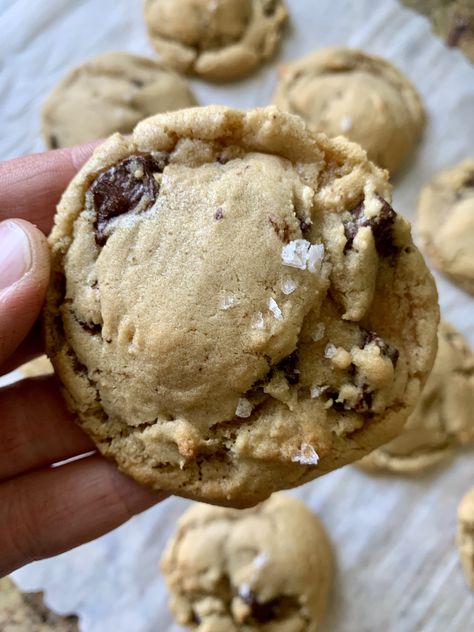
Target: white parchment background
394,538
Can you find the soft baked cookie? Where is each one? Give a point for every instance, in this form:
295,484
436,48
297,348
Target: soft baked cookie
217,39
37,367
451,19
444,416
267,568
465,536
26,612
222,300
110,93
446,223
344,91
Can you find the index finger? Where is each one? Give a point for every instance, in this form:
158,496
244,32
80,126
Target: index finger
30,187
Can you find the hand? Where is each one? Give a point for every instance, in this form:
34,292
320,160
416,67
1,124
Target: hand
44,510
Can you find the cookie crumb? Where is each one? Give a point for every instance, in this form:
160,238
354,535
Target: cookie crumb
244,408
275,310
306,455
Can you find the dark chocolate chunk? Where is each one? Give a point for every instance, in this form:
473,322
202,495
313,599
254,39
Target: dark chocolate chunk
91,328
386,348
282,230
276,609
288,366
381,226
219,214
53,141
461,26
118,190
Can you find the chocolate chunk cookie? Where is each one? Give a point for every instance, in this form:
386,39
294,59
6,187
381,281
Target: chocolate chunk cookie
446,223
26,612
443,418
266,568
217,39
345,91
465,536
110,93
222,300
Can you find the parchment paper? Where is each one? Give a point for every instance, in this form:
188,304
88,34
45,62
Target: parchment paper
394,538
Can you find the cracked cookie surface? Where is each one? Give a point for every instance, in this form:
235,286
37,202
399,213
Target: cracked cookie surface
110,93
222,299
217,39
446,223
268,568
344,91
444,416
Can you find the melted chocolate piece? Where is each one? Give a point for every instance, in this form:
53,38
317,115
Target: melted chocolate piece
282,230
118,190
53,141
219,214
381,226
386,349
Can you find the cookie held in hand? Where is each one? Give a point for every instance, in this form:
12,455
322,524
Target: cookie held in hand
235,307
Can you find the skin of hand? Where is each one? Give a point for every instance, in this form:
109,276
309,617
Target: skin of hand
45,509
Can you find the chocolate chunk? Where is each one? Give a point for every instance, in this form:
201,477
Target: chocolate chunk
386,349
461,27
469,182
91,328
381,226
288,366
138,83
222,160
362,405
53,141
276,609
282,230
121,188
219,214
305,226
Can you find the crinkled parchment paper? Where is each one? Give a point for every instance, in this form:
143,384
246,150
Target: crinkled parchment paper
394,538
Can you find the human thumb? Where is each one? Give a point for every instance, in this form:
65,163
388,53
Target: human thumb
24,277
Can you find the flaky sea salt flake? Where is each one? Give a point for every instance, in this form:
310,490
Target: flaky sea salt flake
244,408
288,286
275,310
306,455
227,301
318,332
316,391
295,253
330,350
315,257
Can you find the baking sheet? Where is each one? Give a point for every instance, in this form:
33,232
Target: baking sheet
394,538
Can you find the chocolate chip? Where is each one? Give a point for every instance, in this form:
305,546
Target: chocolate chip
469,182
461,26
362,405
276,609
380,224
91,328
386,348
138,83
121,188
53,141
282,230
269,7
288,366
219,214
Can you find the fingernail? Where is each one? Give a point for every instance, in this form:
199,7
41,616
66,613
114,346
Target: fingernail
15,254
